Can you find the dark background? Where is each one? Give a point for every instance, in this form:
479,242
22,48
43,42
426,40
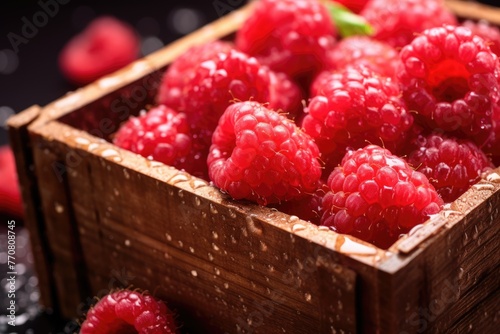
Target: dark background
31,76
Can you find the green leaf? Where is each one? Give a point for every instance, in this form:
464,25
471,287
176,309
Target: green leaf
347,22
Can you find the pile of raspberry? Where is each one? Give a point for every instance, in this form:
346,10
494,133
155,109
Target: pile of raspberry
366,123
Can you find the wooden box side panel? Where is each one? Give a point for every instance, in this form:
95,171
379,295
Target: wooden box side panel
217,261
462,265
451,274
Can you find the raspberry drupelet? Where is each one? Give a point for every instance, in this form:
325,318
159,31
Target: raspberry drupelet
487,31
377,196
128,311
260,155
353,107
451,165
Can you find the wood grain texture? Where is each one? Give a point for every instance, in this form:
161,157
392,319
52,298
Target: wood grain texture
68,270
23,153
442,280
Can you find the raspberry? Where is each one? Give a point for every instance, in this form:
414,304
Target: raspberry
376,55
355,106
183,69
376,196
488,32
218,81
398,21
10,194
163,135
307,208
286,96
106,45
492,145
290,36
450,78
128,311
260,155
354,5
451,165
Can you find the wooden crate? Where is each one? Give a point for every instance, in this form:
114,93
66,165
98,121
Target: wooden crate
101,217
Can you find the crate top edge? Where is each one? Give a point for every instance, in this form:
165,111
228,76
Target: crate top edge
390,260
474,10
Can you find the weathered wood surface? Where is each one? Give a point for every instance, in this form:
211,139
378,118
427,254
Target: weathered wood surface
450,273
23,152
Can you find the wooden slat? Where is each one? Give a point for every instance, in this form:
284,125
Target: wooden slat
69,273
22,148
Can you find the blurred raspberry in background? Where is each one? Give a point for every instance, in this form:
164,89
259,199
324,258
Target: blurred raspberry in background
10,196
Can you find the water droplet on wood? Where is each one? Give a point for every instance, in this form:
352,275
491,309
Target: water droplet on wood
493,177
58,207
253,226
484,186
82,141
179,178
351,247
298,227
